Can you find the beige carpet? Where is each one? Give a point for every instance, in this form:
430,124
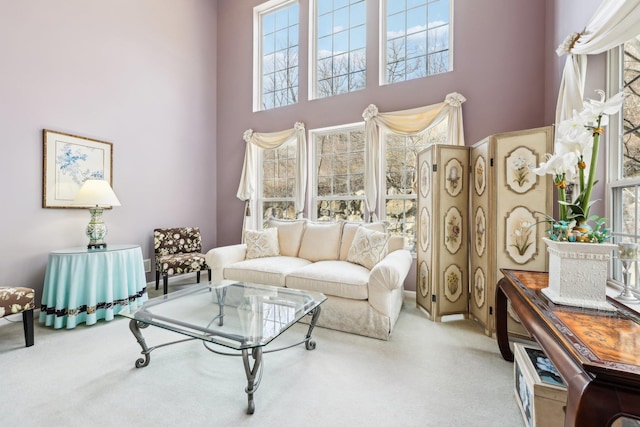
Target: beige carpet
429,374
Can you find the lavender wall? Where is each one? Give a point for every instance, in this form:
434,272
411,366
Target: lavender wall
499,61
140,74
498,66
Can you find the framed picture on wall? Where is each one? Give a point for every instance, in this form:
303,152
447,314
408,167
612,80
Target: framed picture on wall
68,161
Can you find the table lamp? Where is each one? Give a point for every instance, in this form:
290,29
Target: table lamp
96,194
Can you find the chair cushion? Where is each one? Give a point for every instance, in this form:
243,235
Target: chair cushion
289,235
16,300
321,241
262,243
266,271
181,263
338,278
368,248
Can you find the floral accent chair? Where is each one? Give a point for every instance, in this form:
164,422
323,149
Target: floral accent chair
178,251
19,300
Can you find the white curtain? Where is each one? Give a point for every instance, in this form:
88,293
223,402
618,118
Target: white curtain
615,22
269,141
406,122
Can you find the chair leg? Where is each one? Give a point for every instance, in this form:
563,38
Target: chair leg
198,276
27,320
165,283
157,279
209,271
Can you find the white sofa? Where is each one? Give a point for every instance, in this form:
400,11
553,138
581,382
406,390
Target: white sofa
313,256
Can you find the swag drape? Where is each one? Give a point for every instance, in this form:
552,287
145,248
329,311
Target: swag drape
269,141
406,122
615,22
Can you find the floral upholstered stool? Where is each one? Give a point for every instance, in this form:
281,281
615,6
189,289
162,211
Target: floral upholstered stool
19,300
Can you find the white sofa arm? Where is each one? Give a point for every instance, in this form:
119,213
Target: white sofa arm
386,276
219,258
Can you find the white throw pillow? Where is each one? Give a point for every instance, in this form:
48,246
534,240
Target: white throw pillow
262,243
289,235
368,248
349,231
321,241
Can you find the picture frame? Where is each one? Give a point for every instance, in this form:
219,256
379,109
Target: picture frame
68,161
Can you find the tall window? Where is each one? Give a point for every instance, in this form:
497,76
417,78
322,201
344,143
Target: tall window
339,174
339,61
624,143
416,39
276,54
401,175
278,178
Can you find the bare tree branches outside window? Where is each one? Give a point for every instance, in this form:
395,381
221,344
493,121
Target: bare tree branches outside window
278,182
417,39
279,57
340,47
631,109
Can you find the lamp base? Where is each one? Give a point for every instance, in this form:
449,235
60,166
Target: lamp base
97,246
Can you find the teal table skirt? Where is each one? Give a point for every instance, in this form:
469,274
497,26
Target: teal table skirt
84,286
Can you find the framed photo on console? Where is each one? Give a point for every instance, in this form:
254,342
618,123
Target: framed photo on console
68,161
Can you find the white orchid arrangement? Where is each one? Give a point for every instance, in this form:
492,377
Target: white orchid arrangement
577,144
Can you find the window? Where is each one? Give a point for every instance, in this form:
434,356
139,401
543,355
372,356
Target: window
276,54
338,179
339,57
624,143
277,181
400,200
416,39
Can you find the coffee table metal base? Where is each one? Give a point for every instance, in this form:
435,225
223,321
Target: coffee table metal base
253,370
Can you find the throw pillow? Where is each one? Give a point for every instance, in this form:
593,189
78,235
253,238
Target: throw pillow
349,231
369,247
262,243
321,241
289,235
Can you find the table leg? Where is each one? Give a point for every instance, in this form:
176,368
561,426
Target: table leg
502,335
308,342
252,373
221,295
135,329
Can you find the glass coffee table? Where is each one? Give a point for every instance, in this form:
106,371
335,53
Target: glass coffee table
240,316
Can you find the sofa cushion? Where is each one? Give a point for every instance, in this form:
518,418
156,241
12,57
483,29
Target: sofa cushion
266,271
321,241
337,278
262,243
349,231
368,248
289,235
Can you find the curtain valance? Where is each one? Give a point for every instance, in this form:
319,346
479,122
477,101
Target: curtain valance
406,122
614,22
269,141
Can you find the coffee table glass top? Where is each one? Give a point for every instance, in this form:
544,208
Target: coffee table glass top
230,313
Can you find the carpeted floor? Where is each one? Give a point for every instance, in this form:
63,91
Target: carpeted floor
429,374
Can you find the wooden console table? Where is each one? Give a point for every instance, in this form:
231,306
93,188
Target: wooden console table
597,353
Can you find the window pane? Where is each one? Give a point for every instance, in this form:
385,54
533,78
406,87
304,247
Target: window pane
279,58
407,40
341,32
631,109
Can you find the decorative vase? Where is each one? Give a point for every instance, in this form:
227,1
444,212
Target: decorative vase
578,274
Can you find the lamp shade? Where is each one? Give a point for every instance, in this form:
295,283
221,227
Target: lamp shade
96,192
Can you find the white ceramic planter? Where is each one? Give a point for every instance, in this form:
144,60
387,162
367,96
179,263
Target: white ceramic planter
578,274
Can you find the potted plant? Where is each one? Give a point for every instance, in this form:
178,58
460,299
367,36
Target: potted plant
578,252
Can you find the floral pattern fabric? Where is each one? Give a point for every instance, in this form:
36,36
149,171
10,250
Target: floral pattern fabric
178,250
368,248
16,300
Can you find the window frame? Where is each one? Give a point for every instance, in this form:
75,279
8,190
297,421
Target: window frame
259,11
382,47
259,220
616,183
313,197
